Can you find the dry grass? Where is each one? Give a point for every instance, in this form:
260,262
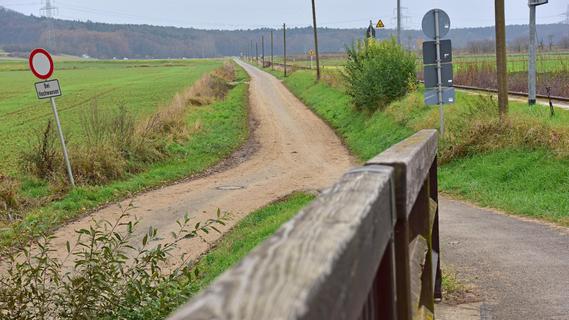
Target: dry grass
212,87
477,128
42,158
116,143
9,198
333,78
483,75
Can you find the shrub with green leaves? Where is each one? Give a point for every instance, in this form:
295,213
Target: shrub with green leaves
378,72
105,275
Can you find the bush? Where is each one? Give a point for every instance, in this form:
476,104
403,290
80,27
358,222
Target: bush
379,72
104,276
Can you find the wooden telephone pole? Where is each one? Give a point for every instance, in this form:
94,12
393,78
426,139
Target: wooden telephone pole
316,41
501,58
284,47
272,51
262,51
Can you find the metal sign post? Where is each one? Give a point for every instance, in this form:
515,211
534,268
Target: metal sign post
532,70
41,65
437,58
62,140
439,73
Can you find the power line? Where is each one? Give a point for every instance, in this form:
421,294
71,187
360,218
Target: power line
49,10
404,16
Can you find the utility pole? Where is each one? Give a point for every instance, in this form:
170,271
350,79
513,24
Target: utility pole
399,21
316,41
532,76
251,56
284,47
263,51
501,58
272,51
257,52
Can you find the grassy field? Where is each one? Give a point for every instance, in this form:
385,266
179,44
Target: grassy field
517,62
139,86
532,181
223,127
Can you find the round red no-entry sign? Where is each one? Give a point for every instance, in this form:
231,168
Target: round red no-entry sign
41,64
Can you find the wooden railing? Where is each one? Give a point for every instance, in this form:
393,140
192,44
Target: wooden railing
367,248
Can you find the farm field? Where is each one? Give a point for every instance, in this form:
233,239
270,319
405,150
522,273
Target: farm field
142,88
139,86
478,70
517,62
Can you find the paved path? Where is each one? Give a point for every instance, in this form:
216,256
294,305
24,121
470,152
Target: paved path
295,151
521,267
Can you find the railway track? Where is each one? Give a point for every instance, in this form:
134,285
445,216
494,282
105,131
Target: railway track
511,93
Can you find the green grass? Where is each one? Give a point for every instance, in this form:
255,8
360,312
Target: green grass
250,232
140,86
532,183
527,182
224,129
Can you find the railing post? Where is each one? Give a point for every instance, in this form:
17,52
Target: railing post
434,187
422,269
412,160
403,279
385,287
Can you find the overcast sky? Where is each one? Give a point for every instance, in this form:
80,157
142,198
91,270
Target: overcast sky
245,14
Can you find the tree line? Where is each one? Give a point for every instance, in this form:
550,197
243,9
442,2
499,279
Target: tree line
20,33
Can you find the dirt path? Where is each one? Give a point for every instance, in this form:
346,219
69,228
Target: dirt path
295,151
521,267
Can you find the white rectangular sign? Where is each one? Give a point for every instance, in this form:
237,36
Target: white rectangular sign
537,2
48,89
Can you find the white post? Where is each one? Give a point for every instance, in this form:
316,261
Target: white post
62,139
439,73
532,72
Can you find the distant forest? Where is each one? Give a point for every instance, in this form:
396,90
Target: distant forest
20,33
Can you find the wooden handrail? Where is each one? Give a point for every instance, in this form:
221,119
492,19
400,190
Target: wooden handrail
344,255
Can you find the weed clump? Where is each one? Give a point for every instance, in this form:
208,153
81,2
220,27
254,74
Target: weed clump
10,199
43,158
378,73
